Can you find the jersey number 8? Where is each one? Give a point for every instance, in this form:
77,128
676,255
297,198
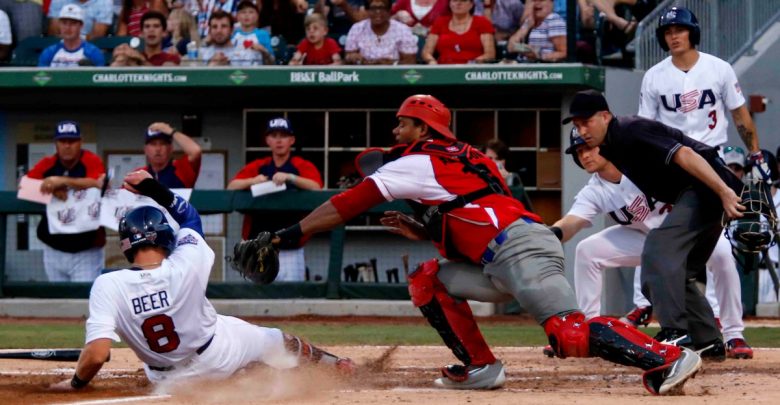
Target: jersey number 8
160,333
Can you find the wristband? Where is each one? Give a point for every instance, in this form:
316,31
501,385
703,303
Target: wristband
78,383
173,131
291,178
557,231
290,237
156,191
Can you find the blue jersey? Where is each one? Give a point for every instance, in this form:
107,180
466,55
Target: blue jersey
58,56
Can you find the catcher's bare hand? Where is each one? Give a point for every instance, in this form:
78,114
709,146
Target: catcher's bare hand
133,179
404,225
62,386
257,259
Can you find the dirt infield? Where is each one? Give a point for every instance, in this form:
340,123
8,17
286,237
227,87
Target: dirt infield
404,378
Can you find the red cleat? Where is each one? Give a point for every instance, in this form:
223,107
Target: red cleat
639,316
346,366
738,349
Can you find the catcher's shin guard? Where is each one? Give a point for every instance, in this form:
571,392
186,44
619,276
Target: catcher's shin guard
451,317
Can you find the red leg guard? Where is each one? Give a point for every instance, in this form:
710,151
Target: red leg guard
451,317
618,342
568,335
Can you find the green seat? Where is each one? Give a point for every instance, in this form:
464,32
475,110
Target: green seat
29,50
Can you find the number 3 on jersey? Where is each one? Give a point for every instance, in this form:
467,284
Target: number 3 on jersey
713,119
160,333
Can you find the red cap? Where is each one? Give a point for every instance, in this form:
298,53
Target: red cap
430,110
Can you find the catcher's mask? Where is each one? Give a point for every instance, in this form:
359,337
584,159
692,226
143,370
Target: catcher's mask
145,226
756,230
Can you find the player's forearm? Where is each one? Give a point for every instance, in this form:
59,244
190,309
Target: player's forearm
746,128
697,167
80,183
305,184
323,218
240,184
181,211
93,356
188,145
569,226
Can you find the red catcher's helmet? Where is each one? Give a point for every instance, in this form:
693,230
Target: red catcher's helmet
430,110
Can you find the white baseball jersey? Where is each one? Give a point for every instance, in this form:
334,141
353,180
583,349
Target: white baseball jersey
163,313
695,102
623,201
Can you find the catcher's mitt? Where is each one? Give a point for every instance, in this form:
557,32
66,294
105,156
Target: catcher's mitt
256,259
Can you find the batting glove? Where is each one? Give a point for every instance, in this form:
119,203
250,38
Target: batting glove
760,169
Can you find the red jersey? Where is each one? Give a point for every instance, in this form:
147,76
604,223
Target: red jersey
430,180
460,48
180,173
161,58
441,7
257,222
322,56
89,165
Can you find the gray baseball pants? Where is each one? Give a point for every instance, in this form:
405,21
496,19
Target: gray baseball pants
528,266
674,255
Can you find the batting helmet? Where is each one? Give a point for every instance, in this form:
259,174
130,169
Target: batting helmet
575,140
756,230
678,16
145,226
429,110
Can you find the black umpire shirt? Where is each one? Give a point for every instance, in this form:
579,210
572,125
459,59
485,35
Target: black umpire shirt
643,150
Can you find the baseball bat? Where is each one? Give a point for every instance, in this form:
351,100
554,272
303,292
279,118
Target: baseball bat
51,355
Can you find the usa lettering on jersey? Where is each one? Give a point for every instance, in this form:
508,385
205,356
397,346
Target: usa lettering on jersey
637,211
687,102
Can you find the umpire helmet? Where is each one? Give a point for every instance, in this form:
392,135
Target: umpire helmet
678,16
145,226
575,140
429,110
756,230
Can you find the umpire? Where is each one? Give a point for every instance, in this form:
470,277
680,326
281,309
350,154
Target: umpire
672,168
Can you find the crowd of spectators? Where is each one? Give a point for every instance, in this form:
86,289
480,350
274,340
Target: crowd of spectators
316,32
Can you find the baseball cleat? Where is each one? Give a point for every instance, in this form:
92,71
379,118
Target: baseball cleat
346,366
713,351
738,349
674,337
670,378
548,351
639,316
487,377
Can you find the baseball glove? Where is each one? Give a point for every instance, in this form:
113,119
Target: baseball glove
256,259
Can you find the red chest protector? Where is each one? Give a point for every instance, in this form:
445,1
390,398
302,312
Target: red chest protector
462,232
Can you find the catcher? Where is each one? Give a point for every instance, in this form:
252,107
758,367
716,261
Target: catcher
159,308
496,250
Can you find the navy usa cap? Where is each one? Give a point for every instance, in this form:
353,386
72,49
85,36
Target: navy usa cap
67,130
279,124
152,135
575,140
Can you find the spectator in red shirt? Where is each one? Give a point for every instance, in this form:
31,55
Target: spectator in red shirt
281,167
419,15
180,173
153,30
461,37
70,257
317,48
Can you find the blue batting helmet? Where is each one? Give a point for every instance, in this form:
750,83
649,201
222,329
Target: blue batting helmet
678,16
575,140
145,226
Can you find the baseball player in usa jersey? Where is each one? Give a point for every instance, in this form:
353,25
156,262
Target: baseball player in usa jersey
695,92
159,307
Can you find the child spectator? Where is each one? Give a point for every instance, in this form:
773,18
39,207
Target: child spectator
182,29
72,51
252,45
317,48
132,11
